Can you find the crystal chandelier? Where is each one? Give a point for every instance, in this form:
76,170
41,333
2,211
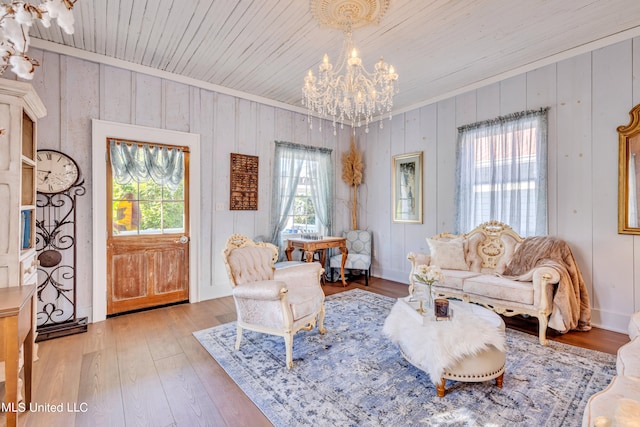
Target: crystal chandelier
16,19
348,93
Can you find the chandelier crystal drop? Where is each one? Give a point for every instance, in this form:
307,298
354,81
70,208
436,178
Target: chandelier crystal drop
348,93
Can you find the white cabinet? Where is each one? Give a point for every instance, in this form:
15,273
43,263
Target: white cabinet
20,109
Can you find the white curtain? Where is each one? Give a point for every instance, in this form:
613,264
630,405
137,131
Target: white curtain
502,173
141,162
322,188
633,195
289,159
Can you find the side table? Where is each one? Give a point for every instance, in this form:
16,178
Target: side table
17,326
310,246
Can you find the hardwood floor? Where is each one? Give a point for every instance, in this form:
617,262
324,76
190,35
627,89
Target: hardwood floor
146,368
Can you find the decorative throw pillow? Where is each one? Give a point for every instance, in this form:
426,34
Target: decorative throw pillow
448,254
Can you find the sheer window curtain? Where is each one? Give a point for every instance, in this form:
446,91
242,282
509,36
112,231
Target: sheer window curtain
141,162
289,159
502,173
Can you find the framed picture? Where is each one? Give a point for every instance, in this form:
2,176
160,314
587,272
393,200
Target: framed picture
244,182
406,188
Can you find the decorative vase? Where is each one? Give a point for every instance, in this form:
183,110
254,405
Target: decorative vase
428,300
422,293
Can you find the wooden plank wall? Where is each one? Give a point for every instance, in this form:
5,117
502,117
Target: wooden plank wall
590,96
76,91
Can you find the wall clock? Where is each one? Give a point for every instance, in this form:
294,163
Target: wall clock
57,172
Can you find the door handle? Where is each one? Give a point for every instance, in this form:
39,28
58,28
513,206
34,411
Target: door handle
183,240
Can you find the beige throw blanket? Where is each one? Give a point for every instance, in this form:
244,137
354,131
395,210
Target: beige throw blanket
571,307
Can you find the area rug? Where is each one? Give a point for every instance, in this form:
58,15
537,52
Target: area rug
354,376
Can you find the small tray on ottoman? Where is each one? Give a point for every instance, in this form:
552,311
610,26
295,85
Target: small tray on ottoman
412,307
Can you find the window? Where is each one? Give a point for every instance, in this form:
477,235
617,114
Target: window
302,218
147,207
502,173
148,188
302,192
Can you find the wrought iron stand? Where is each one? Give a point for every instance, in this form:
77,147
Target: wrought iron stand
56,246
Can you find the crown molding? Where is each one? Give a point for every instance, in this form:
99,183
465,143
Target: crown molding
551,59
119,63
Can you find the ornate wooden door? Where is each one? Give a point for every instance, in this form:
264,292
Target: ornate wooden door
148,244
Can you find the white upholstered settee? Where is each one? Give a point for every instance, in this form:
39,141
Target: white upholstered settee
495,267
619,403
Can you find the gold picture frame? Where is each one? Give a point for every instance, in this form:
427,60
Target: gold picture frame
406,188
629,174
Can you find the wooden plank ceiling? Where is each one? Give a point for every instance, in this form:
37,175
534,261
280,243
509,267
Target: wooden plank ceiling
265,47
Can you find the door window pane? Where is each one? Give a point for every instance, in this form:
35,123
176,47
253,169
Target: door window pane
126,212
173,217
147,208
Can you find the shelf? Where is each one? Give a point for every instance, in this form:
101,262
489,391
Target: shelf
28,161
26,253
28,137
28,189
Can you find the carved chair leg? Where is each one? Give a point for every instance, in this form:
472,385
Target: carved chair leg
321,327
440,387
543,322
238,337
288,343
499,380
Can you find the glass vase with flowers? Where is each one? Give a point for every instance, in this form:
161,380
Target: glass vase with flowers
425,276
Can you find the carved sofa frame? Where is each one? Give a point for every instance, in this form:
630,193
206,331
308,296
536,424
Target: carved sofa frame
488,249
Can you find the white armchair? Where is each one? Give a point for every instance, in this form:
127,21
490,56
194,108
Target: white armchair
277,302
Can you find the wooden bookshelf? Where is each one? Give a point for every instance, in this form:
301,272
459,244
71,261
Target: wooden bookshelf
20,108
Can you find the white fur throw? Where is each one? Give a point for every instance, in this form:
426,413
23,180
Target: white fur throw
436,345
